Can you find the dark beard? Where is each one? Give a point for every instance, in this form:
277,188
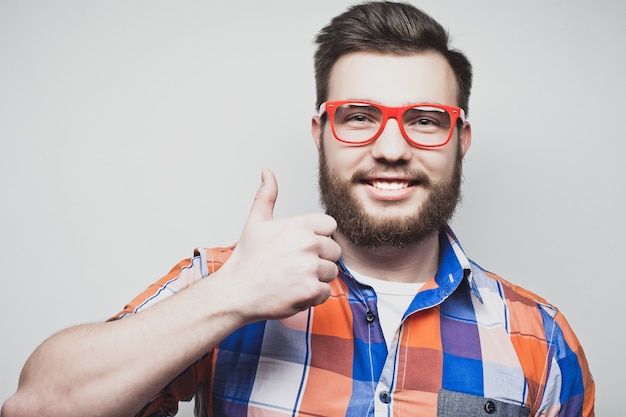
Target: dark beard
364,230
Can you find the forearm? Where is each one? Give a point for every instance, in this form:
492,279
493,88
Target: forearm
113,369
279,267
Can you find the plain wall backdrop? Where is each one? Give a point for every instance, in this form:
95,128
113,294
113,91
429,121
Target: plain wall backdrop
132,132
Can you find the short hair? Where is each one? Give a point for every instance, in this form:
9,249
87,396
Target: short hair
388,28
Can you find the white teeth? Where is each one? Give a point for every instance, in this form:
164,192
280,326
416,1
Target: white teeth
390,185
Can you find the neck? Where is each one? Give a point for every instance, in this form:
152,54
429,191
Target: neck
416,263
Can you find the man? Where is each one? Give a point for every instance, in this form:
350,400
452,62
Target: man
369,309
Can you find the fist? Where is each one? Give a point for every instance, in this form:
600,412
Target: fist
280,266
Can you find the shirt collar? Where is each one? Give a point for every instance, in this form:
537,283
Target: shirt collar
454,266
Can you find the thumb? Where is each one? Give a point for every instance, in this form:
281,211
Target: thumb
265,198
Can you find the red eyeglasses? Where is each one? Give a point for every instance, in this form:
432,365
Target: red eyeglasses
424,125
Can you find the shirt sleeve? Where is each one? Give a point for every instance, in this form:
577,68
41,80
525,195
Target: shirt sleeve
184,274
181,276
570,388
557,373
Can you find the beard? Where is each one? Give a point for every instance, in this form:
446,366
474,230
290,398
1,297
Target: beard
363,229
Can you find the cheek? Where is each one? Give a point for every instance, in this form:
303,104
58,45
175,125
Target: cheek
438,164
339,164
341,160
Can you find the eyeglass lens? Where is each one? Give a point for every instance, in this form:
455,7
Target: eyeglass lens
358,122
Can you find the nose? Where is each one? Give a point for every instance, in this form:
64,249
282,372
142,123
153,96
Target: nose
391,145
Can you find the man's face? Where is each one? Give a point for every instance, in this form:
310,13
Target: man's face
390,193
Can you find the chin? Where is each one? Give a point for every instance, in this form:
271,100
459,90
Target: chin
391,209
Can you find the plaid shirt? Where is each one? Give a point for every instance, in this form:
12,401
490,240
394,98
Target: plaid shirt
470,343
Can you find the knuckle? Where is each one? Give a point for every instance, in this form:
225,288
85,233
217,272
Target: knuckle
332,222
333,271
324,294
327,271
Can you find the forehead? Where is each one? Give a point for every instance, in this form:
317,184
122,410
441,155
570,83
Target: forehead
393,80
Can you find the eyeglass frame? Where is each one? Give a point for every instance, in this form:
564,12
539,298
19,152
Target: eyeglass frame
329,107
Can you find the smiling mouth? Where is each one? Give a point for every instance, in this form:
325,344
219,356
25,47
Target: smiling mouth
390,185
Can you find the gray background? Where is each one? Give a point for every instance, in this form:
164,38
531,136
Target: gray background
131,132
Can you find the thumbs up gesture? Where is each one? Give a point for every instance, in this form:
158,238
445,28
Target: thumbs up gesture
280,266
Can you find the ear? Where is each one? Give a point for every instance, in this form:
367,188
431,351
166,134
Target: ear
465,137
316,130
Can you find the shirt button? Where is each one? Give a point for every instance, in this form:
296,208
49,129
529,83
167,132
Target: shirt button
370,316
385,397
490,407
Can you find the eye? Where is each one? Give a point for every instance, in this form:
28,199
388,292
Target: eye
425,121
426,118
357,115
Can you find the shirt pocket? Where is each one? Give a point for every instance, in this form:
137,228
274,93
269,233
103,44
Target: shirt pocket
457,404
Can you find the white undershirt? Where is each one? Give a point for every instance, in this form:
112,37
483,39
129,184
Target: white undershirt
393,300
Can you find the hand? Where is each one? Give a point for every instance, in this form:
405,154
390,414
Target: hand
282,266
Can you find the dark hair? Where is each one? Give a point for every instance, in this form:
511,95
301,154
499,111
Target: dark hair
389,28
